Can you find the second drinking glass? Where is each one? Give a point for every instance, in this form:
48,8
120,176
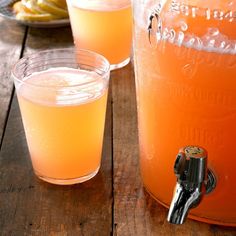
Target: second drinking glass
103,26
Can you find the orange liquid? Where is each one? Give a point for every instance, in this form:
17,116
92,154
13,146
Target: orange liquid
64,136
187,96
105,31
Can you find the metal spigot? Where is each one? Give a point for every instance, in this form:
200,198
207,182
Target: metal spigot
194,180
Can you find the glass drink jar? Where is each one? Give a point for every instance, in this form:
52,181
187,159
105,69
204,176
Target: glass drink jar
185,68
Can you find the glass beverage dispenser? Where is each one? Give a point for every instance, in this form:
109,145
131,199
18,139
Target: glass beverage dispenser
185,68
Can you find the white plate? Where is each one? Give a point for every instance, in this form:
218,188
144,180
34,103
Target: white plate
6,12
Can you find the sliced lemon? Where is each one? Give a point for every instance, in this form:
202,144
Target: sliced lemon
60,3
33,6
35,17
19,7
16,7
52,8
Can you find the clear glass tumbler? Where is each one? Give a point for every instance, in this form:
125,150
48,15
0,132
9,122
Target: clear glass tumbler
62,96
104,27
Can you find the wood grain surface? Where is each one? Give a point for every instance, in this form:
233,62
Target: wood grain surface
42,39
11,38
114,201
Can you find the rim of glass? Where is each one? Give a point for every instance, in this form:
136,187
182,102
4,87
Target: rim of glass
104,75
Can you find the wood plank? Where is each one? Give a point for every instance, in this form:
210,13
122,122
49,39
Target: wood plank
48,38
11,37
135,212
32,207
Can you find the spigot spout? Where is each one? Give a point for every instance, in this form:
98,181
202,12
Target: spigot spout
182,202
192,182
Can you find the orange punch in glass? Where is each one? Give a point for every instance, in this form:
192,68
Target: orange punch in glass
104,27
63,111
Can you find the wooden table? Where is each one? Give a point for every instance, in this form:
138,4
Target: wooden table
112,203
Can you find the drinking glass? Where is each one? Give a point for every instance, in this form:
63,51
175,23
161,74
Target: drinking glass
103,26
62,96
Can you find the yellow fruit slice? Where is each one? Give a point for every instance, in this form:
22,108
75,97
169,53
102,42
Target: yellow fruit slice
52,8
33,6
35,17
60,3
19,7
